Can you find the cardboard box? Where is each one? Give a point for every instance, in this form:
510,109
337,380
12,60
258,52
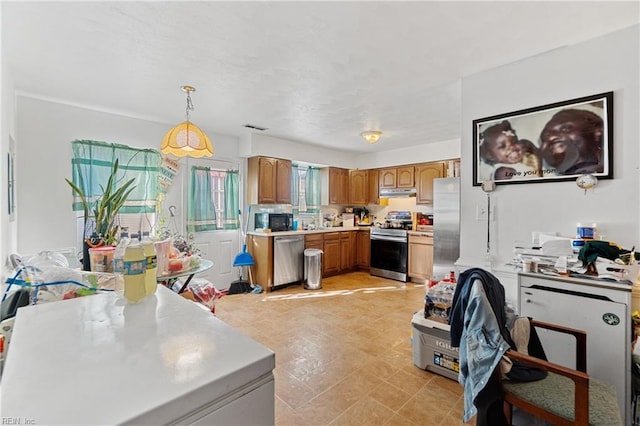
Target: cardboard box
432,349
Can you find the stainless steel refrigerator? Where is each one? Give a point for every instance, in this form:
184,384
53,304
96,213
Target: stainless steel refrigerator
446,225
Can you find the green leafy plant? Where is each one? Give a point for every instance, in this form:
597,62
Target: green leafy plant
106,208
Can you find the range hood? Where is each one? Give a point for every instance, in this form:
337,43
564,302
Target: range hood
397,192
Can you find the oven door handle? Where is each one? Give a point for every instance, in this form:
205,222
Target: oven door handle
388,238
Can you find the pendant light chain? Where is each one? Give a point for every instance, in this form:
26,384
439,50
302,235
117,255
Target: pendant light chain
189,104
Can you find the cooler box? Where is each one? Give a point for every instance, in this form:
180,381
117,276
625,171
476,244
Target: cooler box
432,349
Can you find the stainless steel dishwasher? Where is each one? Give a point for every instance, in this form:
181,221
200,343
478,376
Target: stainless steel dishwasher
288,259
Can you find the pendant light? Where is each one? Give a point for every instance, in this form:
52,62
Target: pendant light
186,139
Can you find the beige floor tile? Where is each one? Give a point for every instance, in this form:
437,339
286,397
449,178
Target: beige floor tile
366,411
344,353
390,396
398,420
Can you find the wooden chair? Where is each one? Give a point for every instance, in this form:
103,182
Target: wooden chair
565,396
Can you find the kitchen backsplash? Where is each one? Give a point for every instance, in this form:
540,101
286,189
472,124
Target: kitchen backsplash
377,211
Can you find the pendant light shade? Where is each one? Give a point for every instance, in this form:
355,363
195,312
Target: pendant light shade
186,139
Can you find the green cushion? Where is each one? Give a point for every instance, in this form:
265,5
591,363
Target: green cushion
555,394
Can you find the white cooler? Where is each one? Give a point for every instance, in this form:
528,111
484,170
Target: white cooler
432,349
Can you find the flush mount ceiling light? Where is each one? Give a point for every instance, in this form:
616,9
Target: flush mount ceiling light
186,139
371,136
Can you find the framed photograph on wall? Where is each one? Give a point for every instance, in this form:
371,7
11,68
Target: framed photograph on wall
555,142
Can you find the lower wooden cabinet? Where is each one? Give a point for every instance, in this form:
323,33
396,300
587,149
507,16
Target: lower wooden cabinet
420,258
331,258
363,249
315,241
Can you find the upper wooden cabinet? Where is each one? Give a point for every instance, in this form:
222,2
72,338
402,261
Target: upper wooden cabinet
334,186
374,187
358,187
269,181
425,174
397,177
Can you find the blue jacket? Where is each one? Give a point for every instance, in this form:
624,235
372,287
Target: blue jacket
481,348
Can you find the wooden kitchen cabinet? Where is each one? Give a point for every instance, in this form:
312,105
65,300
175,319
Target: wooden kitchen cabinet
331,265
268,181
338,186
387,178
261,249
424,175
363,249
283,182
347,251
405,177
420,257
358,187
374,188
315,241
397,177
334,186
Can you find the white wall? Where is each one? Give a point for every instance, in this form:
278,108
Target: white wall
426,153
8,227
269,146
257,144
608,63
44,132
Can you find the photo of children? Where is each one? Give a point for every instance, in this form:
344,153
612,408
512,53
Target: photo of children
509,157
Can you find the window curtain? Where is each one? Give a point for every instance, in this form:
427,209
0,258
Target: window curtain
313,190
92,163
295,184
201,211
231,199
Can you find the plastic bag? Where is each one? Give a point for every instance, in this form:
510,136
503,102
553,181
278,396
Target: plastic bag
438,301
205,292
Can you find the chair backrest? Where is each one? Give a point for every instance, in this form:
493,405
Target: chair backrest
566,396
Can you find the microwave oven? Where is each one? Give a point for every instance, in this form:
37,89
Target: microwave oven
275,221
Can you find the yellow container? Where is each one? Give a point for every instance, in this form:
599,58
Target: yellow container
135,265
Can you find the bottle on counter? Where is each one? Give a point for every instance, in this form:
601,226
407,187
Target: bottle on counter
118,253
149,248
135,265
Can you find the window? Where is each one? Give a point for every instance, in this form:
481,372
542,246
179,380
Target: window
217,194
92,165
302,189
213,199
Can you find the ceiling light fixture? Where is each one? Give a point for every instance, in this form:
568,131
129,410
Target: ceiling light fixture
186,139
371,136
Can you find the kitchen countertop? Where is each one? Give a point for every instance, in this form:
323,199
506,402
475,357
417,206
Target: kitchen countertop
315,231
421,233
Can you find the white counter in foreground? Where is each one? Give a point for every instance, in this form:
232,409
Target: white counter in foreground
99,360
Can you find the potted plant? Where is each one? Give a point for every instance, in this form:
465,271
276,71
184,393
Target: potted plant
103,214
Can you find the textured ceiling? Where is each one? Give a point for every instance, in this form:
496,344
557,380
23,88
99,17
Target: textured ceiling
314,72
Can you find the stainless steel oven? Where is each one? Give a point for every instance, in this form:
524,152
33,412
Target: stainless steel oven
389,253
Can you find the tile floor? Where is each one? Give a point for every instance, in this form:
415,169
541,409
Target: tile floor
343,353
